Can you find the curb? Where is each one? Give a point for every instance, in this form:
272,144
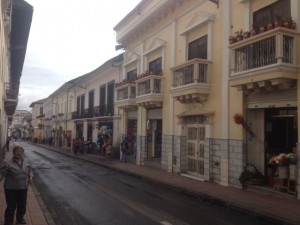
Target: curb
198,195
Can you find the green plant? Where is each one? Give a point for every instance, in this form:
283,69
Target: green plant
250,172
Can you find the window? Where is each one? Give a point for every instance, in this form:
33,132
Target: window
110,98
281,9
80,105
155,66
131,74
41,110
102,103
102,95
91,101
198,48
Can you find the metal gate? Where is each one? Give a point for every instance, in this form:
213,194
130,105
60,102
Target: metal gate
195,150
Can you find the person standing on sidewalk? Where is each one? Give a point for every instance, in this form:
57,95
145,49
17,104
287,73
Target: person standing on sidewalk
124,150
18,175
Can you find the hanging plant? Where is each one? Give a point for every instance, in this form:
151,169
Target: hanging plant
238,118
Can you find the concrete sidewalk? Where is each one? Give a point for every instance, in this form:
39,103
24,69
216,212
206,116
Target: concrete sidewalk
34,213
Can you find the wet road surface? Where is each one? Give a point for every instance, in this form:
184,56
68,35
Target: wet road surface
79,192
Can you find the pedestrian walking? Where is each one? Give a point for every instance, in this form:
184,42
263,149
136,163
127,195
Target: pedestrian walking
124,150
18,175
134,149
77,143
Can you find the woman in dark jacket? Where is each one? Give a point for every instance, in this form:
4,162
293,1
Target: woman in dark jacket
18,175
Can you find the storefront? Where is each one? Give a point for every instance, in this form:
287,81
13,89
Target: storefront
79,129
105,131
272,151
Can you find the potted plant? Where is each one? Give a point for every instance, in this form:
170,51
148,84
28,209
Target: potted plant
239,35
278,21
232,39
251,175
292,24
270,25
286,23
282,162
253,31
246,34
262,28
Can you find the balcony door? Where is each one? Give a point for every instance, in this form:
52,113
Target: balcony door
195,150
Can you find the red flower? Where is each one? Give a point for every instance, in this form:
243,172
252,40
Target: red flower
238,118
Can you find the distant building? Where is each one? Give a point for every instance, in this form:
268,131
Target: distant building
21,121
38,119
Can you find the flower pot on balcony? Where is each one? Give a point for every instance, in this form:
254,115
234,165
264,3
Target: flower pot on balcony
290,23
232,40
262,29
286,24
293,26
246,34
278,22
270,26
253,32
239,37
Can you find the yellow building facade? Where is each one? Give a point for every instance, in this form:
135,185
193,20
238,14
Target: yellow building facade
184,83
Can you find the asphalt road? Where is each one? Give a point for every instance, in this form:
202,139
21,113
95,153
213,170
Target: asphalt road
78,192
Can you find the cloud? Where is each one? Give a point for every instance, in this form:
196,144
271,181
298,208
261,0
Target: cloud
68,38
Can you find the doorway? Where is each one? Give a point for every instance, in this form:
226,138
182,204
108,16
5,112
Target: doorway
195,150
281,130
154,139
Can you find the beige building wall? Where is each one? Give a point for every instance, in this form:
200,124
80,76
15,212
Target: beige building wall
254,93
164,29
38,119
104,76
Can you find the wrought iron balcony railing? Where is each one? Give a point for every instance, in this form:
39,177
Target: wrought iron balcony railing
126,92
190,81
97,111
149,93
271,48
193,71
151,84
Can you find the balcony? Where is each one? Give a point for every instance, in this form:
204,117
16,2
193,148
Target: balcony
10,98
265,61
103,110
126,94
190,81
78,115
149,90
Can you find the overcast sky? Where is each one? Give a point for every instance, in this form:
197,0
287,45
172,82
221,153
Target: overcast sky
68,38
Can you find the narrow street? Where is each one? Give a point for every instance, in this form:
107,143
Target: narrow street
78,192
